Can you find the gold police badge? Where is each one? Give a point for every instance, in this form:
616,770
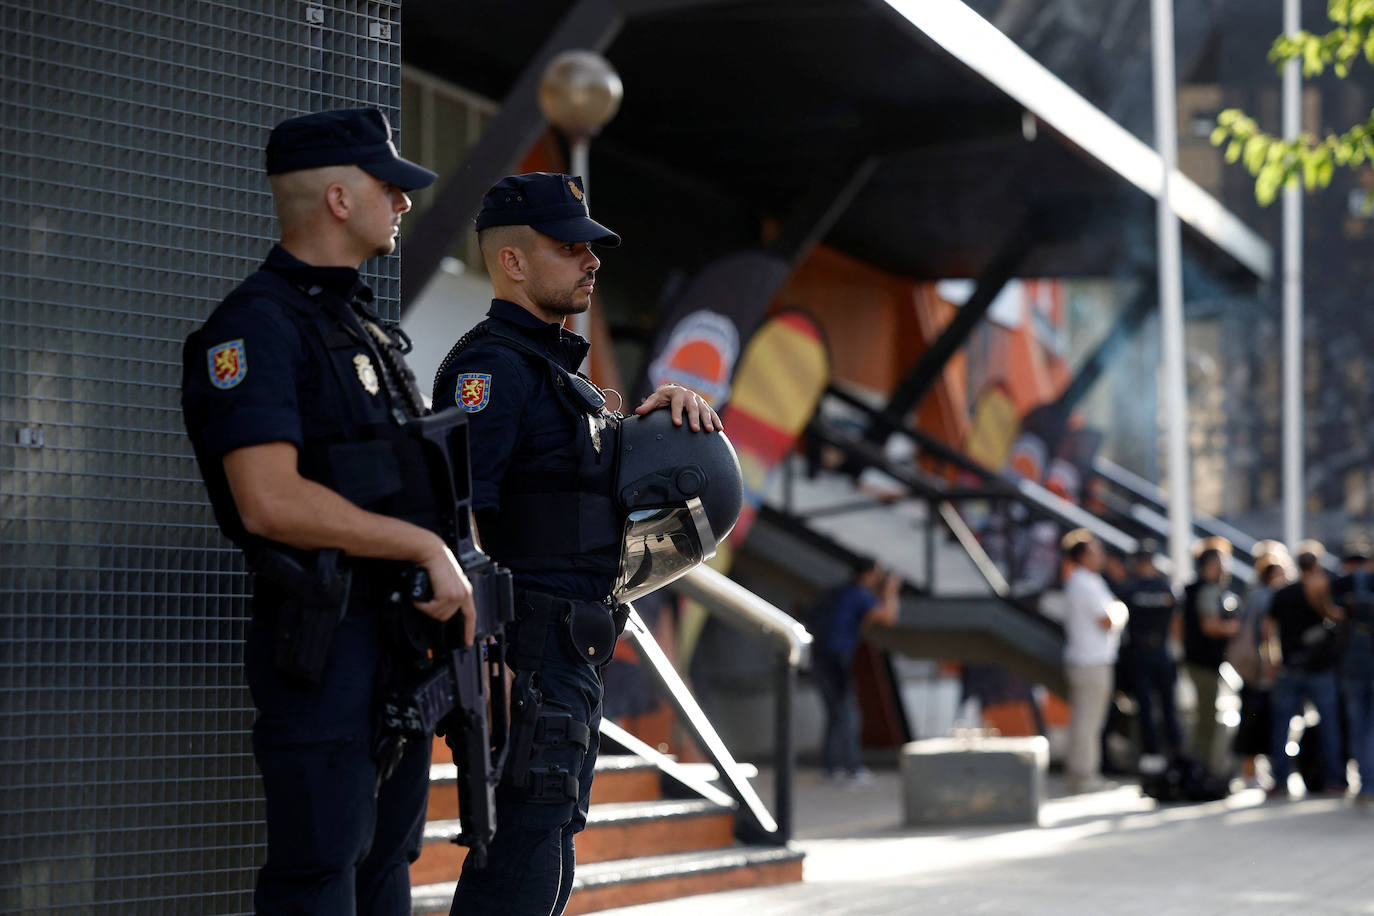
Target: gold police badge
366,373
576,191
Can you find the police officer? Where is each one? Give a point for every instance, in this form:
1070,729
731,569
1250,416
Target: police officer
542,494
294,397
1151,627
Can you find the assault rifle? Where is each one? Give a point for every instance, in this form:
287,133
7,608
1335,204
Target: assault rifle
448,688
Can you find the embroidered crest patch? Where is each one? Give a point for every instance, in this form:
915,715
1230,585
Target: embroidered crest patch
228,364
366,373
474,391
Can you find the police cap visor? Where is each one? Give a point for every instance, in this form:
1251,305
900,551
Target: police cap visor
548,202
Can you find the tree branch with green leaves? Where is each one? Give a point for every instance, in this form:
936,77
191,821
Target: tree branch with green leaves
1278,162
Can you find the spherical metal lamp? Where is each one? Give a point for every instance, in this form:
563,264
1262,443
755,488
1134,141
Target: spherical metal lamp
579,92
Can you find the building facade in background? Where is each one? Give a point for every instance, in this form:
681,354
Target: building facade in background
1103,51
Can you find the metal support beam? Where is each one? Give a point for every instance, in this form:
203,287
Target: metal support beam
1121,332
816,214
590,24
652,7
923,374
749,280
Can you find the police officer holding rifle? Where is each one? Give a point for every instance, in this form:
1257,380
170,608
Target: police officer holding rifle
300,409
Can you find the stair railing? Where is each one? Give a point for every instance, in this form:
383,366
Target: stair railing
1143,503
992,485
1033,501
753,822
1131,507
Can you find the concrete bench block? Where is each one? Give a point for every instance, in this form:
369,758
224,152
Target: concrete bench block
982,780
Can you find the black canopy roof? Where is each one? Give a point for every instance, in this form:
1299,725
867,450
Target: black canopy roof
750,109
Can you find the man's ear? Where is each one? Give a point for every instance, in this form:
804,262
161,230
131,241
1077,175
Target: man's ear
512,262
337,198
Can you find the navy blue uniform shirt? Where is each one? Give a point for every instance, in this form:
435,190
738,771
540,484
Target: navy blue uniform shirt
520,430
257,372
246,382
1151,603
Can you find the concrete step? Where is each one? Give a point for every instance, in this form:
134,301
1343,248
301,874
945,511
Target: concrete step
625,778
619,778
614,831
626,882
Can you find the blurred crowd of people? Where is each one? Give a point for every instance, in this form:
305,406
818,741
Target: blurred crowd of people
1293,639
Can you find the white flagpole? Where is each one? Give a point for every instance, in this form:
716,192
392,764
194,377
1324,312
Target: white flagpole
1171,297
1293,492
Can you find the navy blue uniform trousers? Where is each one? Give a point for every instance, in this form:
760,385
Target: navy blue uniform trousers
1153,677
530,863
336,846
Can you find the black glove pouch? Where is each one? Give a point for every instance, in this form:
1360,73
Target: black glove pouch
591,632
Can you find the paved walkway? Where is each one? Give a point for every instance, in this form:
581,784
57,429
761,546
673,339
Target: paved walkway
1112,852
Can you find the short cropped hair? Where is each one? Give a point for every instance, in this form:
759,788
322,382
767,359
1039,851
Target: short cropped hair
1078,548
862,566
1207,556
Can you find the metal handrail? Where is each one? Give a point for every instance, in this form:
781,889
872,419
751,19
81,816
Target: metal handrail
722,594
969,541
749,612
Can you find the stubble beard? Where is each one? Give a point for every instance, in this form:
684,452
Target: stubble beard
382,246
565,302
389,245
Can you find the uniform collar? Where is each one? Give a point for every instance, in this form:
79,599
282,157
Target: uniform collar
342,281
552,336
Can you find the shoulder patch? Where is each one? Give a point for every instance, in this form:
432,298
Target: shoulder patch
473,391
228,363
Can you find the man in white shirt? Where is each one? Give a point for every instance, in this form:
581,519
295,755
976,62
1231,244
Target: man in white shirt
1093,621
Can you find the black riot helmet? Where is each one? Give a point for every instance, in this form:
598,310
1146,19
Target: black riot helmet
680,493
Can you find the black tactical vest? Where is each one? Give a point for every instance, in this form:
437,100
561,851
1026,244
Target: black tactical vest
556,519
353,439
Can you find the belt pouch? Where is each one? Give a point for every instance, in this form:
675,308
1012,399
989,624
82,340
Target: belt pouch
302,638
591,632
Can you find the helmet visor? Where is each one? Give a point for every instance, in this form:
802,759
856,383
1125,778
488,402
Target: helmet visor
661,545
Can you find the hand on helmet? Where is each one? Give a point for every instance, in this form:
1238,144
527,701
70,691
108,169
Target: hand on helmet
679,401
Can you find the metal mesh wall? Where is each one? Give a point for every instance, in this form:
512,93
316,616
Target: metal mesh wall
131,200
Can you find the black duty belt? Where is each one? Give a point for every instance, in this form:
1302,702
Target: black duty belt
588,629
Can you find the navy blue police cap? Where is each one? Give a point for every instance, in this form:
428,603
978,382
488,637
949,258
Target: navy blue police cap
547,202
347,136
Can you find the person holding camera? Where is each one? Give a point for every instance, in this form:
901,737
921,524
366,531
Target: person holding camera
1302,624
836,622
